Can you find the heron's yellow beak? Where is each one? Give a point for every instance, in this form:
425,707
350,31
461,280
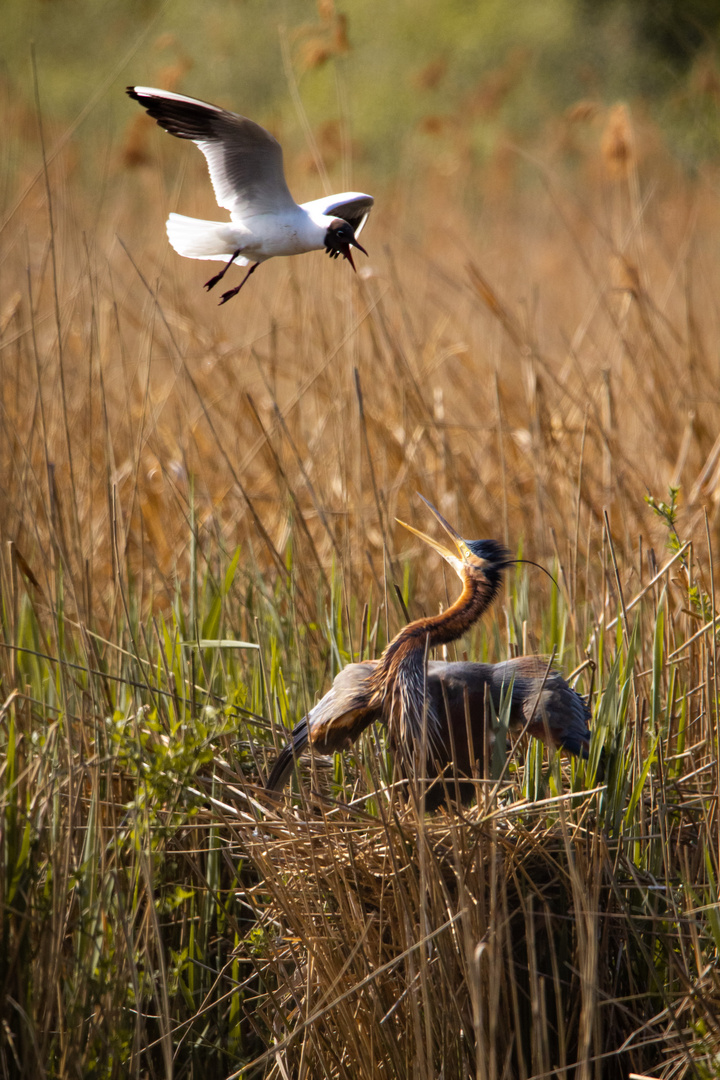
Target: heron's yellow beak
447,553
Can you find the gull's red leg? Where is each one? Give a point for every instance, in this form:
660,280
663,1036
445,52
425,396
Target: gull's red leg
233,292
218,277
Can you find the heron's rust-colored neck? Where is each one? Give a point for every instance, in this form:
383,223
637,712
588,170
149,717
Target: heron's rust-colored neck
477,595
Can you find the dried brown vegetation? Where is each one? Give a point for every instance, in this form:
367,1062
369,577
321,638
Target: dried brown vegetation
533,348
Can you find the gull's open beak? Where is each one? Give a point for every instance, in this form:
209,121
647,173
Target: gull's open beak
348,253
462,550
359,246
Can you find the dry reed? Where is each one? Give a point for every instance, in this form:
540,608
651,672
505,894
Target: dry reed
534,356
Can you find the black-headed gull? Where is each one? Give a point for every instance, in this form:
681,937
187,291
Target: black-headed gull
246,169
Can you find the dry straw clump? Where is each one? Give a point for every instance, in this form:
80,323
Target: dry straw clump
512,940
197,528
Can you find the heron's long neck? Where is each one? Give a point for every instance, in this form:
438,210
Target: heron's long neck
449,625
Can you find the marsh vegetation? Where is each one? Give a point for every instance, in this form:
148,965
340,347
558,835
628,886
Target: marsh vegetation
198,530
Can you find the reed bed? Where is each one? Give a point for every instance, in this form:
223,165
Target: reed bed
198,526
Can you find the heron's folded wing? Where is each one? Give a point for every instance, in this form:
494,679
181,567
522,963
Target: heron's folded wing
333,724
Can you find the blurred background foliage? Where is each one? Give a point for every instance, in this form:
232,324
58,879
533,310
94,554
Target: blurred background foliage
391,81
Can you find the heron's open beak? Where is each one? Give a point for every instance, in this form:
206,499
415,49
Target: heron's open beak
448,554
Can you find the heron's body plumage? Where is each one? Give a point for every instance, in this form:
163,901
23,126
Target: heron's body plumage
457,694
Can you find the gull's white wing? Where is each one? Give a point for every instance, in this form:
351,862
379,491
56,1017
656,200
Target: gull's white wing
351,206
245,160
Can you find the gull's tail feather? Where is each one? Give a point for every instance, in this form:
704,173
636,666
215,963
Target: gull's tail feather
198,239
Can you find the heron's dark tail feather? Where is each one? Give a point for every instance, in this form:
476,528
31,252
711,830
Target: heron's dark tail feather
575,735
576,745
286,758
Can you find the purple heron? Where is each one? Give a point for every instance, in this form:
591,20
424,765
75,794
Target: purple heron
439,706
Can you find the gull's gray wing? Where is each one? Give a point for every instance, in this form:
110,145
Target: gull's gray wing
245,160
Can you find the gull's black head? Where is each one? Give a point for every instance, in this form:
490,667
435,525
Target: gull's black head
339,238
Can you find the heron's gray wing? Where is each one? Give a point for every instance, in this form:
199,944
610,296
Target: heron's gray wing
352,206
562,715
245,161
333,724
559,715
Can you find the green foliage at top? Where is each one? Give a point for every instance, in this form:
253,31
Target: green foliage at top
408,79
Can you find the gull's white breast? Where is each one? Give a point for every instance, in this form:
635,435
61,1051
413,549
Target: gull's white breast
293,232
